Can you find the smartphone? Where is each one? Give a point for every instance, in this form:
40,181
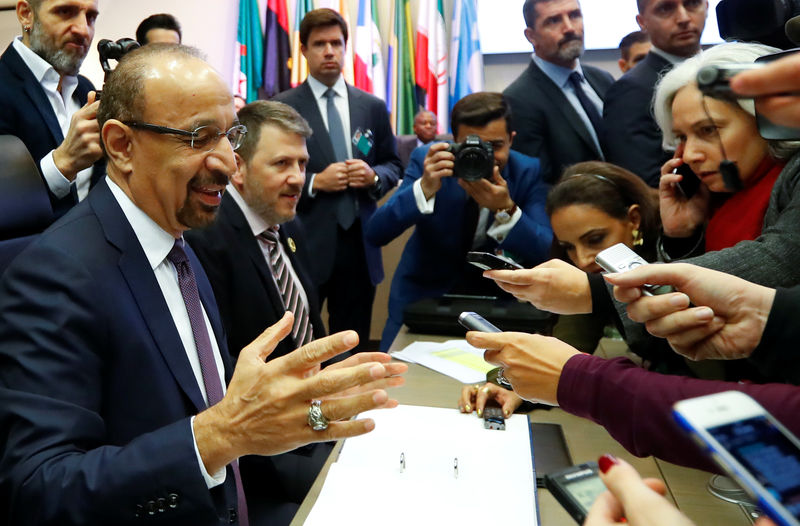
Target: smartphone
620,258
751,446
475,322
690,183
576,488
487,261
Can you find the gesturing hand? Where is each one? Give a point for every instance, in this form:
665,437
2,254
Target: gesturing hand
81,147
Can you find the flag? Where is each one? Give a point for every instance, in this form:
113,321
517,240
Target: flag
466,60
299,65
249,42
431,70
347,70
276,49
368,63
400,85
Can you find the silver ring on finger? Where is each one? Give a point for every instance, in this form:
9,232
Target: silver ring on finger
316,420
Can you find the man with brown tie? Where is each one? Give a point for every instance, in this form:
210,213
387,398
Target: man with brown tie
118,400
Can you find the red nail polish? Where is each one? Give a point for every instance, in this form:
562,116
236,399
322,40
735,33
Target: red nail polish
606,461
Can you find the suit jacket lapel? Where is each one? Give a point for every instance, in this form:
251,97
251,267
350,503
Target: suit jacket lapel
230,210
560,101
143,285
314,118
34,91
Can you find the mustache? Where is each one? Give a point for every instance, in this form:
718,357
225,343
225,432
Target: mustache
570,37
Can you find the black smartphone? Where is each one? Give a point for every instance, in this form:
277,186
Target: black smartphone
487,261
690,183
576,488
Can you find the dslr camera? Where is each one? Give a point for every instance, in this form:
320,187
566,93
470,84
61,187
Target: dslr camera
474,159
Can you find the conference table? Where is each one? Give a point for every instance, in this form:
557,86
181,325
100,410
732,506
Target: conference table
687,488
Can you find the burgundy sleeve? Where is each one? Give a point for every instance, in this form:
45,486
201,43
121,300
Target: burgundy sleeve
635,405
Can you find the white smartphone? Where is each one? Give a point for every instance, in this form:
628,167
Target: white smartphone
751,446
620,258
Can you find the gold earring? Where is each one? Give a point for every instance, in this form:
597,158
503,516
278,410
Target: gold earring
638,239
27,29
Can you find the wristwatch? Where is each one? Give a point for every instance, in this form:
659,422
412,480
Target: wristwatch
504,216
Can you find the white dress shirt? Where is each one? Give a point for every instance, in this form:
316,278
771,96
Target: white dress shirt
64,107
157,243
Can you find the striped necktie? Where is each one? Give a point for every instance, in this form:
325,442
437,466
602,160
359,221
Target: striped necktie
289,287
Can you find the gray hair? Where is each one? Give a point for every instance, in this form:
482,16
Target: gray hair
685,74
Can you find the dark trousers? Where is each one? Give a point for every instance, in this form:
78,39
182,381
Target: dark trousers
349,291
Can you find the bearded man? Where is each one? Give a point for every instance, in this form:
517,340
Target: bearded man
44,101
557,102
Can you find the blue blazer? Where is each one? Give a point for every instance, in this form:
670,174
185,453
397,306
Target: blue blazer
96,392
26,113
319,213
434,256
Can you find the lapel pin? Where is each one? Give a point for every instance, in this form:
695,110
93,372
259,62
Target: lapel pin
292,246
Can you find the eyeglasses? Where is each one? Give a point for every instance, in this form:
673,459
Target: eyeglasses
204,138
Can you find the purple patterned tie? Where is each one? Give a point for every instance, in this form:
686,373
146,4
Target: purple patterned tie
208,365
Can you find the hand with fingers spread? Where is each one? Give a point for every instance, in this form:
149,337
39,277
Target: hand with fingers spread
680,217
554,286
81,146
474,397
631,499
531,362
727,323
266,408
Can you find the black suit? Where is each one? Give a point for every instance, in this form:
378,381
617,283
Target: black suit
632,137
408,143
25,112
547,125
345,266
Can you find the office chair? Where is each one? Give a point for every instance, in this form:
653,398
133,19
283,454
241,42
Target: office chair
25,208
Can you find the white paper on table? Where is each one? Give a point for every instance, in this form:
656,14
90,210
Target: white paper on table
454,358
495,472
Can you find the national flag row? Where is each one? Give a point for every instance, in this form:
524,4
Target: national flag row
415,75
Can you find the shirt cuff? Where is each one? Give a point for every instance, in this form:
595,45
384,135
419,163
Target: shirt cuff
211,480
425,206
311,192
58,184
499,231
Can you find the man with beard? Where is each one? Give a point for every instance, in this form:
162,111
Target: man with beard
118,401
632,137
256,256
557,103
44,101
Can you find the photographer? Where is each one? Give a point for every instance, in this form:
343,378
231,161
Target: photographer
457,207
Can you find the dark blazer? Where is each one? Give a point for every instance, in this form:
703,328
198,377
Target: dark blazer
407,143
96,392
632,137
248,299
25,112
319,213
547,125
433,258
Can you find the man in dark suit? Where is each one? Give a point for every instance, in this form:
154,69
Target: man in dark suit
632,137
452,216
424,133
353,162
557,102
256,279
112,390
44,101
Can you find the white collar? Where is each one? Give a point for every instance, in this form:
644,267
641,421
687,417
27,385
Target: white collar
319,89
155,241
42,70
255,221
